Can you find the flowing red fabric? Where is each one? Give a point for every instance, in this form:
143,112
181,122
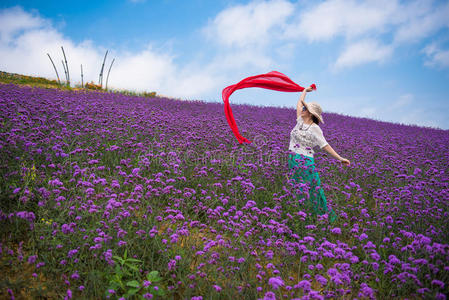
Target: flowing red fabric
273,80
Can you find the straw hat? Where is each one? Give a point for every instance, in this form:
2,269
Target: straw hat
315,109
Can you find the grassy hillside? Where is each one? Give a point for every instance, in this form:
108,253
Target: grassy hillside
111,195
42,82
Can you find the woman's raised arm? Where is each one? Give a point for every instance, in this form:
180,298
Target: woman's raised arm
301,101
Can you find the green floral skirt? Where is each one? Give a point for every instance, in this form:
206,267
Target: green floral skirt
303,169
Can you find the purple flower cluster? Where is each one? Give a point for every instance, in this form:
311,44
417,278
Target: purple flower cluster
115,173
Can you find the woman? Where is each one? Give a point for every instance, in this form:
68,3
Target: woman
305,136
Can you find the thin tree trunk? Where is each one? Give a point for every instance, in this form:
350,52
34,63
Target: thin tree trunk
107,77
82,85
65,71
57,75
67,66
102,68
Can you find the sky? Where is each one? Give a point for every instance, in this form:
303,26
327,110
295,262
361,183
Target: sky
386,60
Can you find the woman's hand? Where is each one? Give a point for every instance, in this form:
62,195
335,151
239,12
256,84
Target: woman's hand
309,89
345,161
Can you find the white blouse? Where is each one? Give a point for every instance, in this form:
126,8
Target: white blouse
305,137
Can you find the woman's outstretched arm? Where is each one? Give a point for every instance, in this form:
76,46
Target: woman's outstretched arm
335,155
301,101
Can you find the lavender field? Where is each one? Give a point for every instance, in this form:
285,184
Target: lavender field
113,196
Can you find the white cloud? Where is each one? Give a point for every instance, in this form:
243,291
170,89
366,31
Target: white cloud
408,21
244,36
250,24
348,18
25,44
419,19
364,24
15,20
361,52
436,57
25,48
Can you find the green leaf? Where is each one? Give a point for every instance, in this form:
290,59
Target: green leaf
118,270
159,291
133,283
153,275
126,253
133,267
132,291
118,278
133,260
119,259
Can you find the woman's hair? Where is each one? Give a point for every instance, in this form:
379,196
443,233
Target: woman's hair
315,120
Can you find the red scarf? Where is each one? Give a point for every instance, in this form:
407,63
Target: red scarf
273,81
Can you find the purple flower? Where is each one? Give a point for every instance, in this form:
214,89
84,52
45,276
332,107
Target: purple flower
305,285
55,182
276,282
336,230
269,296
72,253
363,236
135,171
438,282
332,271
66,228
108,257
32,259
28,215
423,290
393,259
366,291
269,254
321,279
11,293
375,256
75,275
171,264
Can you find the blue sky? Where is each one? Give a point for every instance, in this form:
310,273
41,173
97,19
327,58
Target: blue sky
385,60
